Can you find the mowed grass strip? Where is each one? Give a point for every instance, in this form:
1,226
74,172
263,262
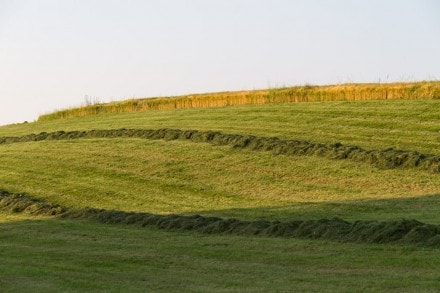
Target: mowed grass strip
383,159
405,125
407,231
66,255
162,177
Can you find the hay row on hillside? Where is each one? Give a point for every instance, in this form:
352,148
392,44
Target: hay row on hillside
402,231
307,93
21,203
384,159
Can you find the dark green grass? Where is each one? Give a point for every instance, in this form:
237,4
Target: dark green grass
65,255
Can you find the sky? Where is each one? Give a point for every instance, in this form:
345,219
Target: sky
55,54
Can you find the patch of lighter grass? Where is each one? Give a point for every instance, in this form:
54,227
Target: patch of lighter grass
6,217
184,177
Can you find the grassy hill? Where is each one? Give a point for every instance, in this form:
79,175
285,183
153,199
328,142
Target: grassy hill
124,173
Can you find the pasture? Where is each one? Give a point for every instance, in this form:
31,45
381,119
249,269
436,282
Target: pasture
187,177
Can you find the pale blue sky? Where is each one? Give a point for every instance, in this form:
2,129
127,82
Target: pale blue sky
53,53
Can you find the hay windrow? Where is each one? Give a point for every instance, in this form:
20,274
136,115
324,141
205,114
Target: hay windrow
383,159
22,203
335,229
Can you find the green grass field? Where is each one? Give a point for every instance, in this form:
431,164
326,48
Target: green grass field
407,124
58,255
185,177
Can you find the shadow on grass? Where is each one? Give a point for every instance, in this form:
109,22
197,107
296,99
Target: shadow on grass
336,229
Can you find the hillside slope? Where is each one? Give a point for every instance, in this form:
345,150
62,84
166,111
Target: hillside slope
178,176
405,125
82,199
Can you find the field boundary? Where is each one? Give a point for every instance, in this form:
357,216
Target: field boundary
401,231
306,93
383,159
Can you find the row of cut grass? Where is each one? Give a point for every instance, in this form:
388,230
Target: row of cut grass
407,125
77,256
408,231
383,159
183,177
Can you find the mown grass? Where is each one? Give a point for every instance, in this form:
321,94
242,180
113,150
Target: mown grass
66,255
157,176
186,177
408,231
407,125
384,159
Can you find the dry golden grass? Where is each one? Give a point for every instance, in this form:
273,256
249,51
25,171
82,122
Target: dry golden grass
347,92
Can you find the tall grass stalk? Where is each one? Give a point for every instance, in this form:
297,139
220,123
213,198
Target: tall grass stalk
308,93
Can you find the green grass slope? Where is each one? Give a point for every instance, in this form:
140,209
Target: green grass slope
44,255
159,176
186,177
407,125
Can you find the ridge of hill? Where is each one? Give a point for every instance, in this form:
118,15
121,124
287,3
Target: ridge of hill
307,93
